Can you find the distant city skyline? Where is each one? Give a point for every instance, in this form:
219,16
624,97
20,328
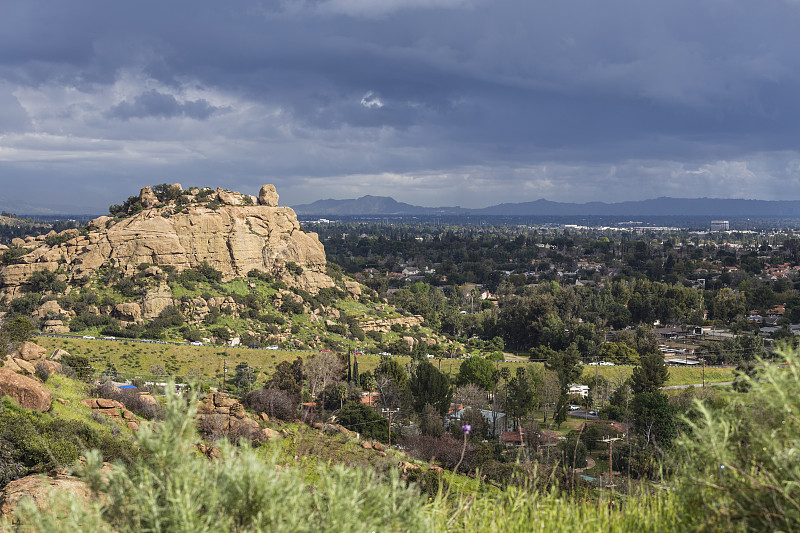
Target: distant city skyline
434,103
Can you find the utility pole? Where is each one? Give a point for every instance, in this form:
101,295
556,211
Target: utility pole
610,441
224,373
386,411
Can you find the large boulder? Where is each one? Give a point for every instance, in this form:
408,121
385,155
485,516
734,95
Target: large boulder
147,197
58,353
37,488
28,392
268,196
129,311
30,351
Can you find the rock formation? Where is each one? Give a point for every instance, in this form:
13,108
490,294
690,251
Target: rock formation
39,488
28,392
232,232
27,356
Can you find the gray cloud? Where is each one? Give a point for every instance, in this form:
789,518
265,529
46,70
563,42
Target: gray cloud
433,102
156,104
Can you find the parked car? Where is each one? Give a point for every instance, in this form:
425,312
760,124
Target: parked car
88,337
197,343
274,347
574,407
606,363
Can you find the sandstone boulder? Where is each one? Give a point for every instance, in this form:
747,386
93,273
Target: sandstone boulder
128,311
58,353
49,308
28,392
268,196
37,488
30,351
54,326
268,435
147,197
54,367
25,366
353,288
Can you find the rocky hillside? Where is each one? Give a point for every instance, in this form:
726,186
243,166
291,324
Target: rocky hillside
174,229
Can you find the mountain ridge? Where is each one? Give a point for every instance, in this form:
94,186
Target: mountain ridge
662,206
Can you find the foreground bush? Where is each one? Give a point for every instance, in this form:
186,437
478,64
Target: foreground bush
740,461
33,442
173,488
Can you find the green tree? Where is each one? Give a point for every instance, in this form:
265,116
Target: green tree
521,394
391,369
566,365
650,375
356,378
429,386
18,329
654,418
619,353
244,377
478,371
288,377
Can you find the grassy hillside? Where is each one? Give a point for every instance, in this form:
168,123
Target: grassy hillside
205,362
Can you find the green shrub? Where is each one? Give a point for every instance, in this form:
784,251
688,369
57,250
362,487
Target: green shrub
39,442
57,239
172,488
363,419
12,255
27,304
738,464
46,281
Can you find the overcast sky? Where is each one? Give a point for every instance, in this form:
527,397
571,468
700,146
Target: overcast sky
432,102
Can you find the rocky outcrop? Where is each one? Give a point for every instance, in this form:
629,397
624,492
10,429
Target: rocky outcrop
218,414
114,410
385,325
38,488
27,356
28,392
232,232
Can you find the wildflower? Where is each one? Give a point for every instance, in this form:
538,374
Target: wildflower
466,428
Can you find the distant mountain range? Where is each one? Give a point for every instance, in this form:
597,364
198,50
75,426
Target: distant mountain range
664,206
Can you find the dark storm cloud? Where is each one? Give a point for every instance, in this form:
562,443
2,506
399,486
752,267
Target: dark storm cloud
155,104
426,100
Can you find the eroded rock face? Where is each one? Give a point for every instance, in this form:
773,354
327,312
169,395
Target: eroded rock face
232,236
28,392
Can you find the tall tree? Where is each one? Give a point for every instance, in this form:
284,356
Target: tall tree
429,386
390,369
566,365
321,370
650,375
478,371
356,377
521,394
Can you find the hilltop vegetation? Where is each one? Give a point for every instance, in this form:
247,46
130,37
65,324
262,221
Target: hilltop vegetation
720,481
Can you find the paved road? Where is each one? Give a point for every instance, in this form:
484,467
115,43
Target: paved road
583,415
698,385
